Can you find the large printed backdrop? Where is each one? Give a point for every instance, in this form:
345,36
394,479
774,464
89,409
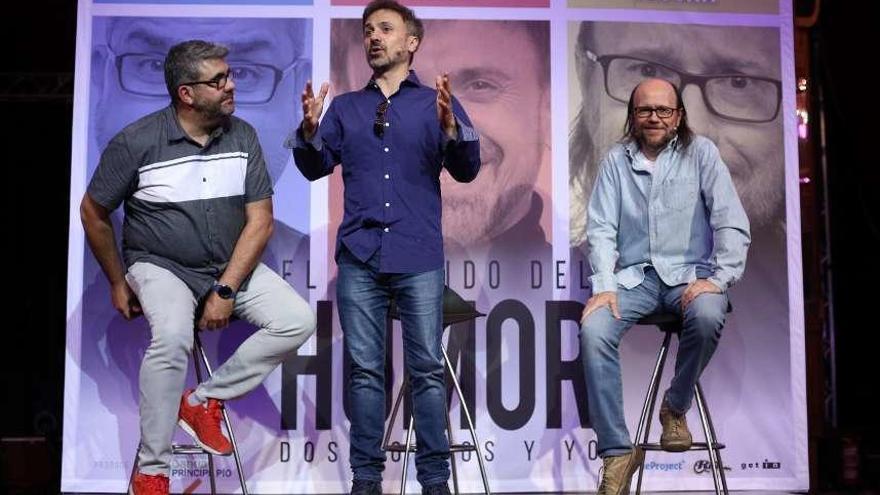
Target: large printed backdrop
543,82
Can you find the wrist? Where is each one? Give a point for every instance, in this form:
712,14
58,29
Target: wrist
223,291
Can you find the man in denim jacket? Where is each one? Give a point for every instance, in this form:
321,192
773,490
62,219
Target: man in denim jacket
667,233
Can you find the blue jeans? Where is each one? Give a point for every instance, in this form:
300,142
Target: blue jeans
364,294
600,337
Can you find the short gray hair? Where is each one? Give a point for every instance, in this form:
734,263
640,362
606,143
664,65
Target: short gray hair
182,64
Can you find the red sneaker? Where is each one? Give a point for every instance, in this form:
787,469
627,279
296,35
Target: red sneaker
145,484
202,422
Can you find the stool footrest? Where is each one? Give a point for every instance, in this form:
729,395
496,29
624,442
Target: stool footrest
694,446
187,449
458,447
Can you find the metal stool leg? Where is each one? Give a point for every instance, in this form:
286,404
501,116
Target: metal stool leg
386,443
718,477
408,447
452,464
644,428
238,466
406,450
470,422
394,410
134,467
198,353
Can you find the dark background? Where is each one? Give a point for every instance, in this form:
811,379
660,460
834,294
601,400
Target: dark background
837,53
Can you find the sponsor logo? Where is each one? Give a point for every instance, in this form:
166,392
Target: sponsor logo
664,466
704,466
767,464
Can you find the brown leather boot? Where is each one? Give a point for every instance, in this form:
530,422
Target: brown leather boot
675,437
617,472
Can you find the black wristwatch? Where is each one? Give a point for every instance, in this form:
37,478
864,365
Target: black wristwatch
223,290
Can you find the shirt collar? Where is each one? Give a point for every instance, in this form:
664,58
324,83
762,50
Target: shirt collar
172,125
176,133
632,149
411,80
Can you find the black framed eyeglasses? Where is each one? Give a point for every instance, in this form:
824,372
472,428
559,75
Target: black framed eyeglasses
735,97
379,123
218,82
661,111
143,74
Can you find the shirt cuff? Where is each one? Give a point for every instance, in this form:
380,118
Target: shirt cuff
718,281
463,132
297,140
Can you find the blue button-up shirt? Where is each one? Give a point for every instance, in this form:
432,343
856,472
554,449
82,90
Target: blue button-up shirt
392,183
684,218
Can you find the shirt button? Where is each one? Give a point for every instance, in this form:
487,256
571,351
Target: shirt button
387,205
387,150
387,176
204,179
386,229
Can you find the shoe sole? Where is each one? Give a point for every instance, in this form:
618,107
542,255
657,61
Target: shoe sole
185,427
675,446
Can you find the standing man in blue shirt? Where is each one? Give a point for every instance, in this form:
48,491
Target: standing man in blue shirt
666,233
392,139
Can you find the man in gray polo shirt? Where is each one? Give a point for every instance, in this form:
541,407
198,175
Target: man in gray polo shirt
198,213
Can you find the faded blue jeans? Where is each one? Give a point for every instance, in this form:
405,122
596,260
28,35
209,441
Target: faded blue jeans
364,295
600,337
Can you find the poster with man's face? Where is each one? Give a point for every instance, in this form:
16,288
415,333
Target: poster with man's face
269,58
507,208
545,85
731,85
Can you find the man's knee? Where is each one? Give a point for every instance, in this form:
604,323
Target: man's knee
172,339
598,330
706,315
296,321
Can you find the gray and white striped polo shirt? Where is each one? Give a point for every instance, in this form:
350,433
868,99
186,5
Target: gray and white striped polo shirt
184,203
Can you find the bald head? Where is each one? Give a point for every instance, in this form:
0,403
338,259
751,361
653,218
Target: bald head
656,91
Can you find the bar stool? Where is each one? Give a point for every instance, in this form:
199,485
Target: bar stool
455,310
198,354
669,324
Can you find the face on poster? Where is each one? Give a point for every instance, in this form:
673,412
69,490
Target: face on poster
270,59
730,82
529,458
507,98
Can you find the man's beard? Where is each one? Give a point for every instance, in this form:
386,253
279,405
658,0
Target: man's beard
644,143
212,111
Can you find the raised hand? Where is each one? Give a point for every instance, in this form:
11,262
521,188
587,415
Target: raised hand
313,107
444,106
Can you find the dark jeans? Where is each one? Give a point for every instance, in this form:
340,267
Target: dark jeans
364,294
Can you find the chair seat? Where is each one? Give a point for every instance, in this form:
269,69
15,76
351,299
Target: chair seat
660,319
455,309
